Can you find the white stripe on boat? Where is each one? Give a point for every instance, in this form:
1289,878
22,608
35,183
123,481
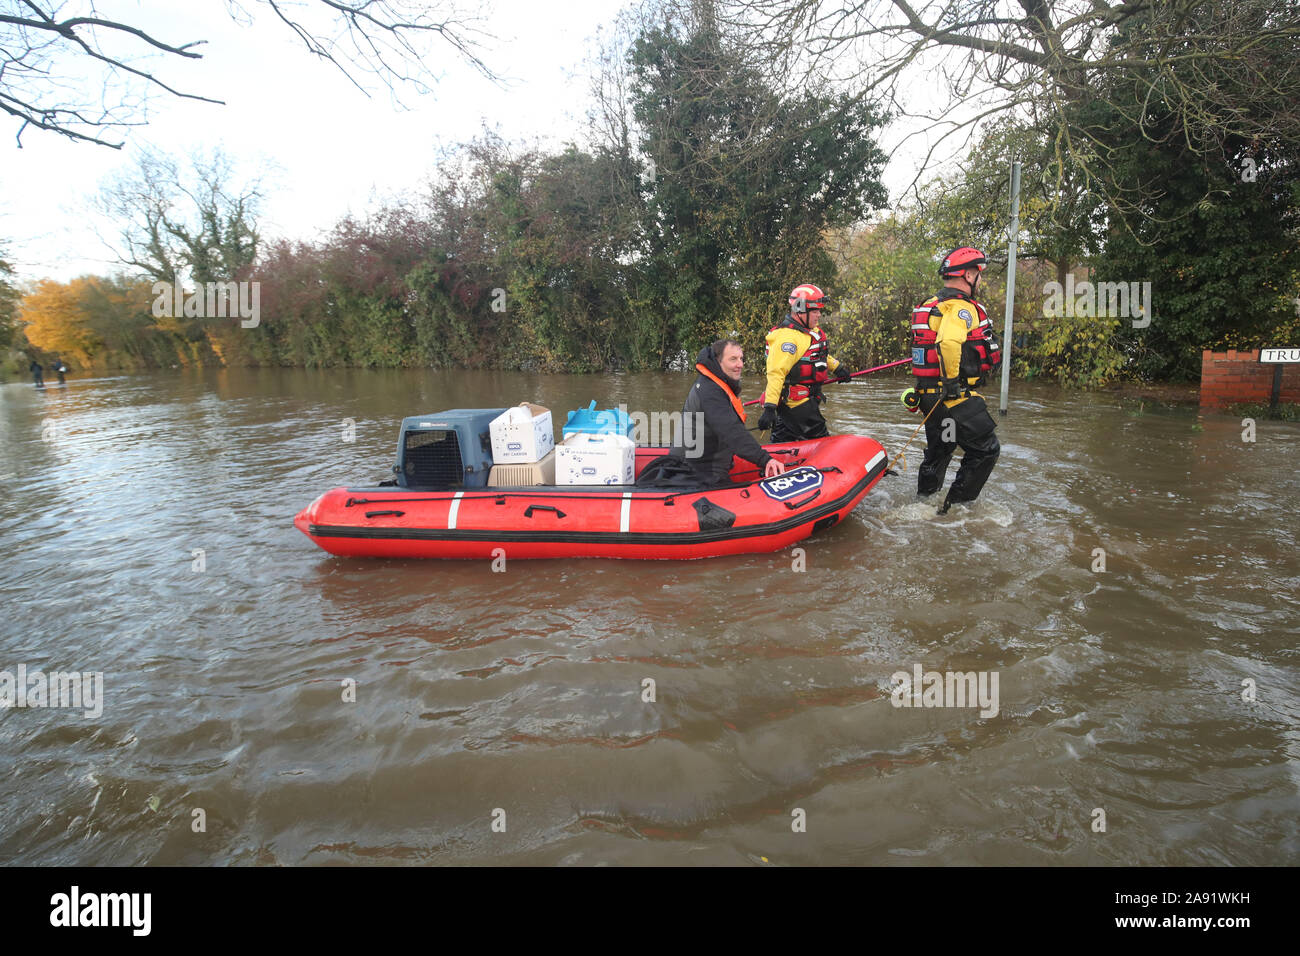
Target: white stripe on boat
455,508
871,464
626,514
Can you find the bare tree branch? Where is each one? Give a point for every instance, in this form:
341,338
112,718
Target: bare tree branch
44,81
1227,69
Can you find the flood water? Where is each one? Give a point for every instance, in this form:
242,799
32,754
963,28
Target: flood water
146,535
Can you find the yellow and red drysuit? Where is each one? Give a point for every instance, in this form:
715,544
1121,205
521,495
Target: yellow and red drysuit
952,349
798,364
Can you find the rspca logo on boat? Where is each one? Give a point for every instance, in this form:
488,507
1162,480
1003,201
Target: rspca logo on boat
791,484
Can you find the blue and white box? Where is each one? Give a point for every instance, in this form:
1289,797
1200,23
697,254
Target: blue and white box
590,458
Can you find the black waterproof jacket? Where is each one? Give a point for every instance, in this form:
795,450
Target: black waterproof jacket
724,433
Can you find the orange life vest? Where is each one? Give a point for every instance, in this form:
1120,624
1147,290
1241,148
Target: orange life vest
726,390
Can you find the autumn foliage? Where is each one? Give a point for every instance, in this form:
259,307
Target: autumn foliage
91,318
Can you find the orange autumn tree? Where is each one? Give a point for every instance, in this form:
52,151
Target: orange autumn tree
56,318
93,319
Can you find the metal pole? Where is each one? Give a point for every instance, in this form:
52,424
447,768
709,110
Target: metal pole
1011,285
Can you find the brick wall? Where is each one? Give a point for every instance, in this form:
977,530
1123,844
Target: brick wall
1230,377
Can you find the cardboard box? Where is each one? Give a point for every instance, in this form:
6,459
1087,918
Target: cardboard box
532,473
595,459
522,434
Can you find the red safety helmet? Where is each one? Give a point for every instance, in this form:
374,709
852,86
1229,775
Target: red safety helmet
956,262
805,297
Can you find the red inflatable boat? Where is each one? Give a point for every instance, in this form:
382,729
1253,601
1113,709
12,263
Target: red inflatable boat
824,480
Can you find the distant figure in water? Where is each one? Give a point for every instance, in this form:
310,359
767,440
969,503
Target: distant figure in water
38,374
60,368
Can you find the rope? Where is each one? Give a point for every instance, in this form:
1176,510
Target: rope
894,460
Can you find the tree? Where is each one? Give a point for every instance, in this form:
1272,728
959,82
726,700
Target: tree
95,320
1226,69
1061,218
200,225
1221,247
744,177
536,262
886,269
8,302
55,317
52,63
570,254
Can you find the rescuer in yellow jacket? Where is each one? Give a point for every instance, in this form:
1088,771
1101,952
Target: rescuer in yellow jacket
952,350
798,364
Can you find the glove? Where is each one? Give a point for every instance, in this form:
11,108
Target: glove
952,389
842,377
767,419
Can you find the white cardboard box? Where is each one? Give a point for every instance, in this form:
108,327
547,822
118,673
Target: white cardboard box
587,458
522,434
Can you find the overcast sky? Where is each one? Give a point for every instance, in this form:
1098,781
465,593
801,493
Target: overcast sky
329,149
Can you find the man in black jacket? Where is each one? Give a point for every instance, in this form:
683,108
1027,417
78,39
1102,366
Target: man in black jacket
714,404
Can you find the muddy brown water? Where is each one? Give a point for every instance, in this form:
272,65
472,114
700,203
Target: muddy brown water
146,534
